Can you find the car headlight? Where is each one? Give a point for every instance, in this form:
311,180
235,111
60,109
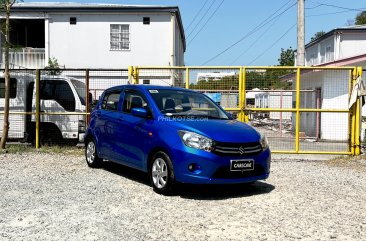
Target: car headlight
196,141
264,142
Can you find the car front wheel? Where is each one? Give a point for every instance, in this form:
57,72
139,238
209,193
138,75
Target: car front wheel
162,174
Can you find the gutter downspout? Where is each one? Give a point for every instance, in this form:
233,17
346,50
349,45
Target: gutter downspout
172,44
46,39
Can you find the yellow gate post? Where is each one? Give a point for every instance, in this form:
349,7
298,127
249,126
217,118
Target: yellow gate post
38,76
297,131
187,78
358,117
241,115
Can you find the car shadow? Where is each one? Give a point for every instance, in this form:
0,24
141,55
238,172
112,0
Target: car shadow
220,192
197,192
127,172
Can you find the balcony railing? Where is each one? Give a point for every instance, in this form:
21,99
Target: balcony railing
29,58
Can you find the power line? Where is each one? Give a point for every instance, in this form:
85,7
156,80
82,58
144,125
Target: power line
196,15
204,15
261,25
206,22
254,42
288,30
335,6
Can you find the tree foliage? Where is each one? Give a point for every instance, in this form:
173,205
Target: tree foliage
317,35
53,67
287,57
361,18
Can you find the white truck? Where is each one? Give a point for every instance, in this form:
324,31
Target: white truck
61,99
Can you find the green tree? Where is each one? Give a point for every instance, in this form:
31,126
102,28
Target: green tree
53,67
317,35
5,30
361,18
287,57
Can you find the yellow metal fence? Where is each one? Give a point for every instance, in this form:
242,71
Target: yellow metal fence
302,110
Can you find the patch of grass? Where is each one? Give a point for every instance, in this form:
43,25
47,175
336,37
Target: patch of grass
18,148
24,148
353,162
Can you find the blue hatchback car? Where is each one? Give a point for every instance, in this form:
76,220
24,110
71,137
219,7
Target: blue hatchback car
175,135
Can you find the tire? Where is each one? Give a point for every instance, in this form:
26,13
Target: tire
91,155
161,174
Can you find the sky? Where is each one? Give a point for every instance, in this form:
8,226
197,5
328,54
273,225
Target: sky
243,32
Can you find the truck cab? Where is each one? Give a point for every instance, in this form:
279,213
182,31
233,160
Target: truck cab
62,108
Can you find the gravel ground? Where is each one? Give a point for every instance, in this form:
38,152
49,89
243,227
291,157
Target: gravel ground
57,197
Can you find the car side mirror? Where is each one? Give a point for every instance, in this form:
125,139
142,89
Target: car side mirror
233,115
140,112
93,104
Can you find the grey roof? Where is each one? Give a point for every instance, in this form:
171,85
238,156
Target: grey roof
347,29
99,8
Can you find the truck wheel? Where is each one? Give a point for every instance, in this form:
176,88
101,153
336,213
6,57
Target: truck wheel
162,174
91,155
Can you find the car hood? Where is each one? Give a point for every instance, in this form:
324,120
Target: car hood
219,130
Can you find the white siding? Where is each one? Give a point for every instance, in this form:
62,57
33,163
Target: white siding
87,44
352,44
334,126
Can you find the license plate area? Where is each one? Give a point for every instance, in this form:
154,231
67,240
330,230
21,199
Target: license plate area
241,165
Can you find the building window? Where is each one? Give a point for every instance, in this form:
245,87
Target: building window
120,37
146,81
329,55
72,20
146,20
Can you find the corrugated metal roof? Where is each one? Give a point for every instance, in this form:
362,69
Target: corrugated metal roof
348,29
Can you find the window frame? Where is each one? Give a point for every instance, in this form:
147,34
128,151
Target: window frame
120,41
108,94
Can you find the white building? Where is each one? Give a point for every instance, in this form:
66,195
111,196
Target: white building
96,35
329,89
214,75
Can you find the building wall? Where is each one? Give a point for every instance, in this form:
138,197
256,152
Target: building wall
334,126
352,44
320,53
87,44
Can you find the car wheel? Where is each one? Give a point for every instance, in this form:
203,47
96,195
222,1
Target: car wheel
162,174
91,155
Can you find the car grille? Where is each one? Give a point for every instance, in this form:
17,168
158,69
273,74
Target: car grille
224,172
237,149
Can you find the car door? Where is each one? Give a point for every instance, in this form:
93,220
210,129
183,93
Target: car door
107,118
134,134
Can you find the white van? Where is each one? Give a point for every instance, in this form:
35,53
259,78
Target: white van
57,96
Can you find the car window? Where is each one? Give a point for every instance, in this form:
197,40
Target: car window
60,91
133,99
111,101
13,88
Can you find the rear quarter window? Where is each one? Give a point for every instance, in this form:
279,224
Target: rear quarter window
13,88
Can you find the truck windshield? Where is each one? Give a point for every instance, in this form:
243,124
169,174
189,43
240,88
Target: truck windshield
186,104
80,89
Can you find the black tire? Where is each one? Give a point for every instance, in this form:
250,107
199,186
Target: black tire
50,137
91,154
161,174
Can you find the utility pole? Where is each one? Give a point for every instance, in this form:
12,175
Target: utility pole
300,58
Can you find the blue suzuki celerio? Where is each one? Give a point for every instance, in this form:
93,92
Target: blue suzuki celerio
175,135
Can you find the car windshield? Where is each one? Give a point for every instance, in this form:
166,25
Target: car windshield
186,104
80,89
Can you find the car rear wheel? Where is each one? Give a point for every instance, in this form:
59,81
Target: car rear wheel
91,155
162,174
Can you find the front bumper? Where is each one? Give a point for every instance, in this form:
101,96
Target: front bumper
201,167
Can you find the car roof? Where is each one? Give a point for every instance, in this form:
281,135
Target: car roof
146,87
